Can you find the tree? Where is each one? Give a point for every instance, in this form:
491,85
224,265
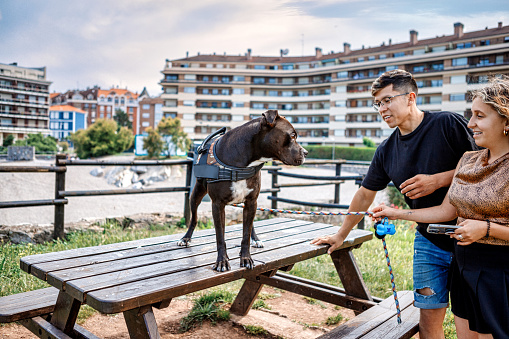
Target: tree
368,142
102,138
171,127
8,141
42,144
153,143
122,119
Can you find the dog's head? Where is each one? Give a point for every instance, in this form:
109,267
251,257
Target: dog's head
281,139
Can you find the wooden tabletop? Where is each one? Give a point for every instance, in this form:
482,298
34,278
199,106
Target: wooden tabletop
123,276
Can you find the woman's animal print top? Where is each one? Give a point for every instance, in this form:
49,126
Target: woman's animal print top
481,191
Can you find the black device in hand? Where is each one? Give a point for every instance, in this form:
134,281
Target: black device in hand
442,229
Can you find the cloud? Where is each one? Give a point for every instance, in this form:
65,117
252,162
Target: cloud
126,42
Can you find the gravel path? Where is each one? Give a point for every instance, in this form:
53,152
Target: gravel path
33,186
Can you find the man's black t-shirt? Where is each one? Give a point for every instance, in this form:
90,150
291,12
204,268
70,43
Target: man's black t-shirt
435,146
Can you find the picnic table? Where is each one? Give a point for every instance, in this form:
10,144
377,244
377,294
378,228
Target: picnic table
135,276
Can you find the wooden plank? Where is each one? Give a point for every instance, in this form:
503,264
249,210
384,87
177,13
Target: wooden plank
379,315
248,293
41,270
350,275
44,329
28,304
27,261
65,312
141,323
120,261
78,287
325,294
148,291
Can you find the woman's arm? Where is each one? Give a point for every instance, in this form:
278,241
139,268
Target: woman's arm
442,213
473,230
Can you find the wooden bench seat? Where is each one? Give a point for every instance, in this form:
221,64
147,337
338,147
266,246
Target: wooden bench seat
380,321
28,304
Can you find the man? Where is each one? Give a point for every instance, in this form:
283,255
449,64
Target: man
419,157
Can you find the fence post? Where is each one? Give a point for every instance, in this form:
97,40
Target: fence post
360,225
336,186
274,173
187,210
58,226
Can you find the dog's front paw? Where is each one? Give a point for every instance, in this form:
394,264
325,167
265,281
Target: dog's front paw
256,243
221,265
247,262
184,242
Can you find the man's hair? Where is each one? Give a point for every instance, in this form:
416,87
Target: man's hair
495,94
401,81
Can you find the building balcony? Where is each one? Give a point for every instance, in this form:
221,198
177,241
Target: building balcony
24,90
25,115
10,128
25,103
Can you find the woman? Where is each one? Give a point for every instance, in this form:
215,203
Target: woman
479,197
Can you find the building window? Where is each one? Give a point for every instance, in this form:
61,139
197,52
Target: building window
188,103
271,80
460,62
464,45
457,97
287,67
146,106
239,78
189,90
259,66
399,54
146,115
238,91
257,80
238,104
145,124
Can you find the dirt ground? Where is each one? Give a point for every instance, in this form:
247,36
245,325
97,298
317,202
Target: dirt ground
290,316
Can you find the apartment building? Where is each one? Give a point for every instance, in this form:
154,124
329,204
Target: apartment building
150,113
24,101
109,101
327,97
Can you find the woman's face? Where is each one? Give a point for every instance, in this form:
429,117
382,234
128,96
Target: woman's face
487,124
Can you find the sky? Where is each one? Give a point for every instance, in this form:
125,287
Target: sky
125,43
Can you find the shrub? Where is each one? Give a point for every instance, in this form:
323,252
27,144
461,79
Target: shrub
341,152
42,144
208,306
102,138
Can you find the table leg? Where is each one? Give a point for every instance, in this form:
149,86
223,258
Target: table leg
66,312
350,275
141,323
247,295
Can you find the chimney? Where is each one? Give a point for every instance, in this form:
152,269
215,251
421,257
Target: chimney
249,54
187,54
500,24
318,52
390,42
346,48
413,37
458,29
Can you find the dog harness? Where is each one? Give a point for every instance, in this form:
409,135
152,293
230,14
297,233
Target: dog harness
208,166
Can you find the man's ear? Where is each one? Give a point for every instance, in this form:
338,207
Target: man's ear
269,117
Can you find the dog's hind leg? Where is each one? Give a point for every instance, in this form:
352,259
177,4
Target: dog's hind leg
199,191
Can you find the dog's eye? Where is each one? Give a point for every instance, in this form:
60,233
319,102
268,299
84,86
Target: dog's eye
293,136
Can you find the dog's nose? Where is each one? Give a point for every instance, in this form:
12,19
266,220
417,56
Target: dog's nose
305,152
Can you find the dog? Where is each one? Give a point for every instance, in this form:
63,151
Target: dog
232,175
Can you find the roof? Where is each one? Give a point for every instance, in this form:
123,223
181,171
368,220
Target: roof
68,108
439,40
116,91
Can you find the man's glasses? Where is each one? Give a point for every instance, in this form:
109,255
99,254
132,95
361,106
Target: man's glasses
386,101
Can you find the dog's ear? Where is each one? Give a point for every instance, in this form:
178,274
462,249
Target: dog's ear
269,117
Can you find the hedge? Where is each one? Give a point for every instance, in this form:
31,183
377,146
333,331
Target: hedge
347,153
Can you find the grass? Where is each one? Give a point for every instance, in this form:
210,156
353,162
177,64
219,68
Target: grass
207,307
370,258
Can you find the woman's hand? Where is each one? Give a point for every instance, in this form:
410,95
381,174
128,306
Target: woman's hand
334,241
382,211
470,231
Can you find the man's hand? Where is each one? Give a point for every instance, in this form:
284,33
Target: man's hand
334,241
419,186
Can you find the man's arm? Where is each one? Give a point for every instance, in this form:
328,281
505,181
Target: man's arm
361,201
425,184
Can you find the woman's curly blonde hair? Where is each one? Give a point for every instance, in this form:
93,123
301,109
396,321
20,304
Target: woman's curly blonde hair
495,94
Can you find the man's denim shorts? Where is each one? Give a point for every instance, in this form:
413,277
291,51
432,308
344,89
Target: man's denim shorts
431,269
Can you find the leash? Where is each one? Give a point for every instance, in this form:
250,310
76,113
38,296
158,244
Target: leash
263,209
382,228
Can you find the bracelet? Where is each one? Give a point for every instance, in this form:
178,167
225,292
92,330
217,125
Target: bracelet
488,229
